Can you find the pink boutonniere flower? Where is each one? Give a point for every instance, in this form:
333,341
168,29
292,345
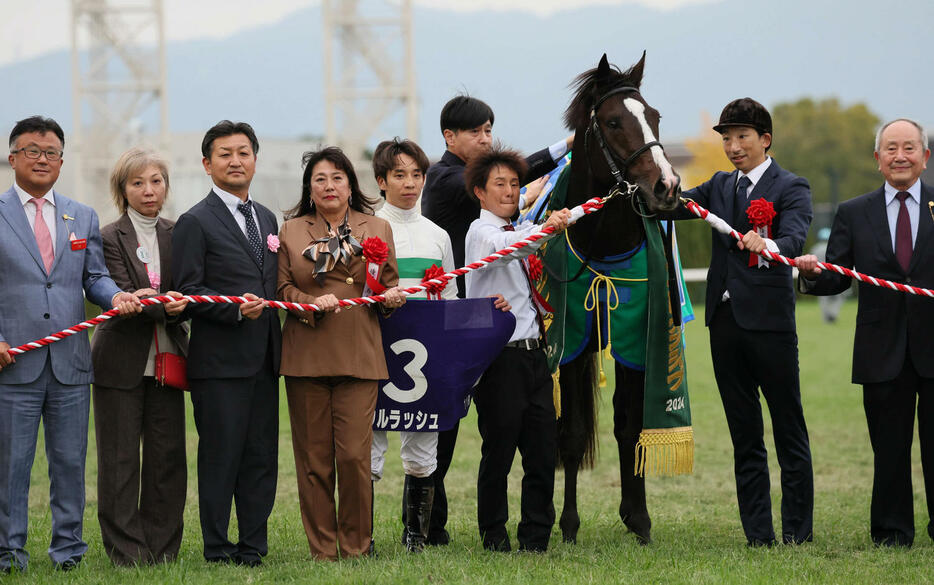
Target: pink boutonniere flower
155,280
272,242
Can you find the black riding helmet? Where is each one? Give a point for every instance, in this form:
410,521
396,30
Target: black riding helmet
745,112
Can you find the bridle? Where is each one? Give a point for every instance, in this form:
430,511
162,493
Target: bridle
617,168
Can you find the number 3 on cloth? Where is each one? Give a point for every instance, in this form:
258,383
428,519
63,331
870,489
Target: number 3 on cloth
413,369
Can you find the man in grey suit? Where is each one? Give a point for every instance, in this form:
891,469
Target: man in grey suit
50,253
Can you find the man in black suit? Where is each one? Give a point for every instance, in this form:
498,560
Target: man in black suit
233,358
467,127
888,234
750,313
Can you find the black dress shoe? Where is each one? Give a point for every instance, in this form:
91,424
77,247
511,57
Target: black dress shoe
248,561
68,564
438,538
758,543
371,550
497,545
219,560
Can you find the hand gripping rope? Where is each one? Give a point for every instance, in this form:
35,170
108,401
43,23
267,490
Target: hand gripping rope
578,212
724,228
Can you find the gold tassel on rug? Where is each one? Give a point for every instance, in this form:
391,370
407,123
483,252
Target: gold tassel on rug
665,452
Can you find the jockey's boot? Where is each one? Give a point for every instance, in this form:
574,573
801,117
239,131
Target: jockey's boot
419,495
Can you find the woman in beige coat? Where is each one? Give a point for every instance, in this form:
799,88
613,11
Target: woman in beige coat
333,360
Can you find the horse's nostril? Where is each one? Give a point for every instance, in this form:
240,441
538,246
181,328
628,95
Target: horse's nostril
661,188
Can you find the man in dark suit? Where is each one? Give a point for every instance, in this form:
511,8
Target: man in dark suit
233,358
888,234
750,312
467,127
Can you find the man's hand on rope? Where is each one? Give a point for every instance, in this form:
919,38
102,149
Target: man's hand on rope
253,308
807,266
6,359
752,242
127,303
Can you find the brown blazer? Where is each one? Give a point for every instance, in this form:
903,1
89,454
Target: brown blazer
335,344
119,347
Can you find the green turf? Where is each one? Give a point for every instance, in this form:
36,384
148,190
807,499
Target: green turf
697,535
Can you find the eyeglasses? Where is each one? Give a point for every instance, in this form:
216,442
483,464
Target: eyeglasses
35,153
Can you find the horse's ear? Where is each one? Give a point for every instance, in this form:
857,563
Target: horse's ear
603,69
635,74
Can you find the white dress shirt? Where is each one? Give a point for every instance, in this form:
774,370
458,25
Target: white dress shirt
913,204
232,201
48,211
505,277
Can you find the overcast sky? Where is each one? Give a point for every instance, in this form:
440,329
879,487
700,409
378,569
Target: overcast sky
29,29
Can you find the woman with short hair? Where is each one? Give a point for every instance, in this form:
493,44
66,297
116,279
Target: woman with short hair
140,506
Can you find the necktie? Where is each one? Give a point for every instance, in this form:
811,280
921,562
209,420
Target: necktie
528,278
43,237
252,234
742,186
903,244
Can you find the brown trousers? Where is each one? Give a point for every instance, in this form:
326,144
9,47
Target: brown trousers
332,429
140,507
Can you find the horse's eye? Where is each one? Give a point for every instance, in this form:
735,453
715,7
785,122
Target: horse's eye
613,124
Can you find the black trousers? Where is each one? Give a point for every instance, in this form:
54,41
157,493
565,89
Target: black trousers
515,409
890,414
238,445
745,361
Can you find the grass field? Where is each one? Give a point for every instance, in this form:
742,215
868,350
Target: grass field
696,529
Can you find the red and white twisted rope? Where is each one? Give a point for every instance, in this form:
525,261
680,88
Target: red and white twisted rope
724,228
578,212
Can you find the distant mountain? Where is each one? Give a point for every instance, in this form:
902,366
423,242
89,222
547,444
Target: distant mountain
699,58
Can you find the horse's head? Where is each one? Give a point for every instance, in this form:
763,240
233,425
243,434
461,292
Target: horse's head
620,134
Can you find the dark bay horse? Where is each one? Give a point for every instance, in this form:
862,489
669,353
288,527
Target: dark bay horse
615,146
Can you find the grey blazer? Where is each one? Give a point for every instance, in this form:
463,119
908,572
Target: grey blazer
130,339
34,304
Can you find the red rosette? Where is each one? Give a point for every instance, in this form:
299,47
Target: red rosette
375,250
431,288
535,267
761,213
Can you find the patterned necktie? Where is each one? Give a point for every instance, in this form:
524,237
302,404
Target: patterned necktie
43,237
903,244
742,187
252,234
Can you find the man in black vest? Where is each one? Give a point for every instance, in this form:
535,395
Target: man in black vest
888,234
467,127
750,312
233,357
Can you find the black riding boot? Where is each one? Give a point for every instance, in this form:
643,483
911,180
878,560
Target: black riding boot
419,495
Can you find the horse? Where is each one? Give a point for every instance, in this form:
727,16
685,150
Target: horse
615,147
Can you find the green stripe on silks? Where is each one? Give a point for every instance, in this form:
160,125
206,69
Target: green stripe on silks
666,443
415,267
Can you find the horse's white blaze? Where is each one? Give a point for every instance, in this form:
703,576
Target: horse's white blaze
637,109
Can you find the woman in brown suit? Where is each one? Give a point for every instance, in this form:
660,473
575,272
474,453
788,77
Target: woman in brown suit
139,507
333,360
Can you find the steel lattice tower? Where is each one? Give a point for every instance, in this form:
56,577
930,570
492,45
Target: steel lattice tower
119,88
369,71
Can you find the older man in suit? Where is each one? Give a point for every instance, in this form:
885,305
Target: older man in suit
888,233
221,248
50,253
751,316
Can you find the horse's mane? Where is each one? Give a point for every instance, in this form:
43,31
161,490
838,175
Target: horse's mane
577,114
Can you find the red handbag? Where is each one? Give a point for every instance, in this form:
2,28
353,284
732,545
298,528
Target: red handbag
171,369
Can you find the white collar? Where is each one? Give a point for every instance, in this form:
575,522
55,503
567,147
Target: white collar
490,217
25,197
756,173
914,191
402,215
229,199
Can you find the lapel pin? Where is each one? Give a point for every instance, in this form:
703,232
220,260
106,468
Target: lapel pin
67,217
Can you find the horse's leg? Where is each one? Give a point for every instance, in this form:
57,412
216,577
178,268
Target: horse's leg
576,432
627,424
